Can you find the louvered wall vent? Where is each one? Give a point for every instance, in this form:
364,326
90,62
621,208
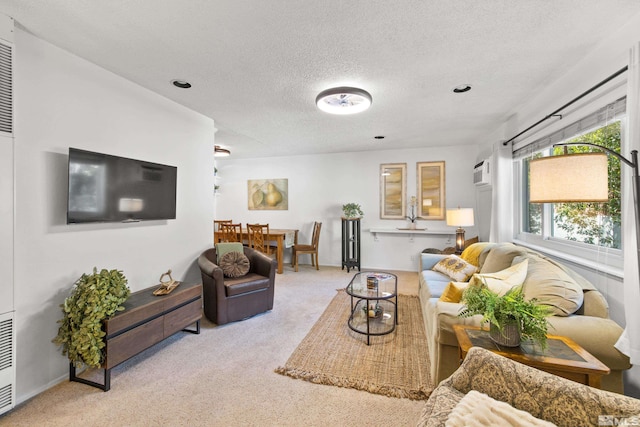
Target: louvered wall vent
6,89
7,362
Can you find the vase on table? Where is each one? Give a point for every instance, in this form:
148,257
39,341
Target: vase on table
412,225
508,337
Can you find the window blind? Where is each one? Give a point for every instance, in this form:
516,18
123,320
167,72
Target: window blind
603,116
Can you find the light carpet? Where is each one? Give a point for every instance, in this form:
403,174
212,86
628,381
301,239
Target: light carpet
222,377
395,365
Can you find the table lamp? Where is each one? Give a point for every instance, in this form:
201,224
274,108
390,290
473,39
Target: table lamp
460,217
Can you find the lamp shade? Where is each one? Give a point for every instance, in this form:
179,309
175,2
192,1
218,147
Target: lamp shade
460,217
569,178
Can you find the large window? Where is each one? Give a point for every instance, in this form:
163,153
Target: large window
582,225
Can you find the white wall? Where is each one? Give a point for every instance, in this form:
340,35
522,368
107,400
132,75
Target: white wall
62,101
320,184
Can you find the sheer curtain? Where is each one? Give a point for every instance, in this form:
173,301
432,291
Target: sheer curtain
629,342
502,194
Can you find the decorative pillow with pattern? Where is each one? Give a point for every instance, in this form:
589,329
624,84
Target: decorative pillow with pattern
456,268
234,264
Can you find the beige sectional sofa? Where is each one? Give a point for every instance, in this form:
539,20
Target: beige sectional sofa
581,310
542,395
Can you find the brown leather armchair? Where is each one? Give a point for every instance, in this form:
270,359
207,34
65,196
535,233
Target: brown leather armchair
230,299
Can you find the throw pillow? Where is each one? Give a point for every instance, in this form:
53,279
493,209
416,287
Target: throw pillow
234,264
500,257
501,281
456,268
226,247
453,292
551,286
471,254
479,409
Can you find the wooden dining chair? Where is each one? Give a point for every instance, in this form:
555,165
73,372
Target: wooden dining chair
230,232
257,234
216,227
311,249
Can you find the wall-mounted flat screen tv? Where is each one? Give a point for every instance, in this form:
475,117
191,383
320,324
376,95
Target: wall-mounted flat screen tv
105,188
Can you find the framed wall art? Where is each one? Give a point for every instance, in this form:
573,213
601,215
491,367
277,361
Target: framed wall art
268,194
393,190
431,190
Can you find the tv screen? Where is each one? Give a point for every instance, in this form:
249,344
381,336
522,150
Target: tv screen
105,188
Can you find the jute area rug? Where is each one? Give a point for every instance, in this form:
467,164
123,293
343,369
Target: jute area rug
395,365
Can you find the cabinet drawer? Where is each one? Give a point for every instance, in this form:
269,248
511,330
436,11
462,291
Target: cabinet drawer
182,317
180,296
132,342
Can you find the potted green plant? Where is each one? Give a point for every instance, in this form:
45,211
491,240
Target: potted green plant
510,317
352,210
94,297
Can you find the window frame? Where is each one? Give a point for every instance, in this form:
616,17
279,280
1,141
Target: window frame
590,255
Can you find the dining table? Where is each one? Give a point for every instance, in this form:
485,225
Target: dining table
284,238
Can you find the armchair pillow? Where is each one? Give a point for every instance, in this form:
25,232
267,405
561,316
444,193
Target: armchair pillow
234,264
456,268
480,410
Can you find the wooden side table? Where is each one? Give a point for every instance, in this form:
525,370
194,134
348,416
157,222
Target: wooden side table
563,356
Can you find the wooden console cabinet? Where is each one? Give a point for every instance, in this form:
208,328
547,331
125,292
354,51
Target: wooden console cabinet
146,320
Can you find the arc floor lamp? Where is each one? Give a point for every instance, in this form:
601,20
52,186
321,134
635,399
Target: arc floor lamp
580,178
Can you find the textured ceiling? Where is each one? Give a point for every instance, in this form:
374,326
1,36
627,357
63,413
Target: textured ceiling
257,66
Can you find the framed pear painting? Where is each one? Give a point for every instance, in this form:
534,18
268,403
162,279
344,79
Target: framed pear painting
268,194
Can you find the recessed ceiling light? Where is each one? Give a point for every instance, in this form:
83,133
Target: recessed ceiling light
343,100
182,84
462,88
379,137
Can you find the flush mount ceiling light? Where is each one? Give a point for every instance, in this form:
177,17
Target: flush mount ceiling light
343,100
221,152
462,88
181,84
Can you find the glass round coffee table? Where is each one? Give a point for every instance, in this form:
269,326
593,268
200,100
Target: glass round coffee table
374,303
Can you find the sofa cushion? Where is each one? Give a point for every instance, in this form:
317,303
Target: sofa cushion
456,268
550,285
500,282
248,283
453,291
471,254
499,257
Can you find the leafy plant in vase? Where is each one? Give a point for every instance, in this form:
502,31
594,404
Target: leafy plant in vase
94,297
352,211
511,318
413,203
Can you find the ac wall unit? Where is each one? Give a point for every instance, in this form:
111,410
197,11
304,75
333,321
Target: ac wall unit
482,173
7,362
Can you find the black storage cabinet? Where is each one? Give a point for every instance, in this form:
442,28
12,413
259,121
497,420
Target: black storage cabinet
350,243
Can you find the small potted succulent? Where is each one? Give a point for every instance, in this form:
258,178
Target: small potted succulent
511,318
352,211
